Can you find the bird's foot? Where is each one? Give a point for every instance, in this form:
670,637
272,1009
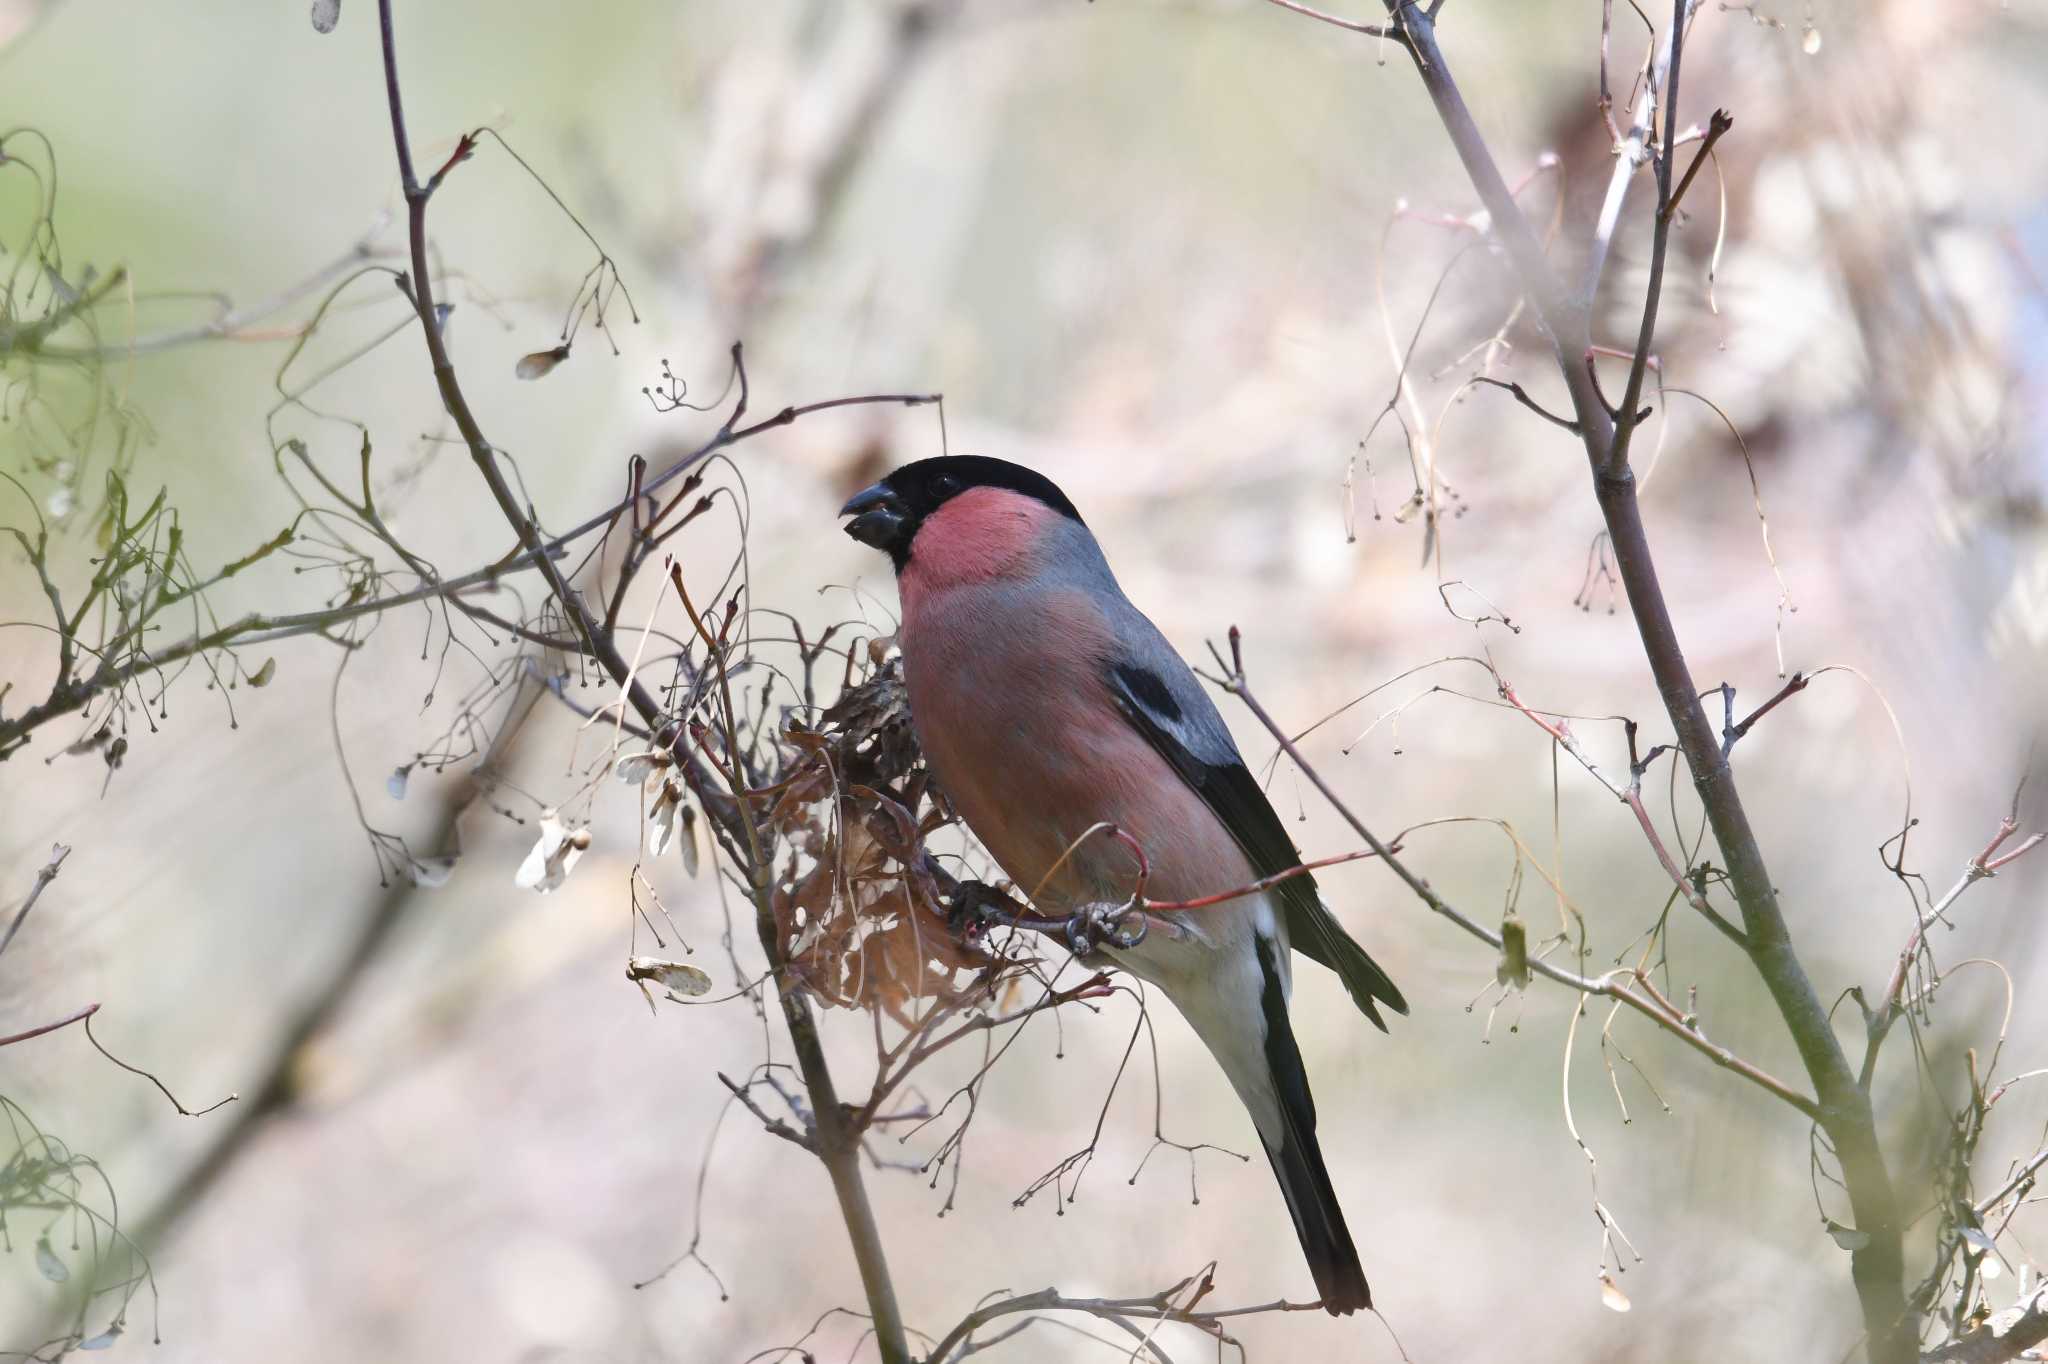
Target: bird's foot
976,907
1094,926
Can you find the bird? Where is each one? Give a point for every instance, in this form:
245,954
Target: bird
1045,704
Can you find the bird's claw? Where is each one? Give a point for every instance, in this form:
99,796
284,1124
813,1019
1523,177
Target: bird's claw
1128,929
1119,926
975,907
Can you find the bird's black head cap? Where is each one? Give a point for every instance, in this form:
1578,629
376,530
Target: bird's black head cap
887,514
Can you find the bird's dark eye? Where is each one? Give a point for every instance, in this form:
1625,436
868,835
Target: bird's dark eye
944,486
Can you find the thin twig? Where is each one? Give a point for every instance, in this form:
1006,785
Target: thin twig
1158,1307
1522,396
87,1012
1720,123
774,1125
2019,1178
256,628
1609,986
1351,25
1628,417
1983,866
1630,152
162,1088
58,852
230,322
1732,733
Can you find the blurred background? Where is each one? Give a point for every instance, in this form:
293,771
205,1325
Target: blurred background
1170,252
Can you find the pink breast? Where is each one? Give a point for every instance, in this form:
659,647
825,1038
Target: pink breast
1006,685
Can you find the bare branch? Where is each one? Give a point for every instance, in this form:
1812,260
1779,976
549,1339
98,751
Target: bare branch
1630,153
1616,985
1992,1345
1522,397
1351,25
232,323
58,852
1843,1106
1159,1307
840,1146
2020,1178
1986,864
1731,732
776,1126
162,1088
1629,417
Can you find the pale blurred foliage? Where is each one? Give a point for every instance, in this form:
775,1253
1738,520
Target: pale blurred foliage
1136,244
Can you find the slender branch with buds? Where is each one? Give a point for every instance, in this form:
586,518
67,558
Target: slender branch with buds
1841,1105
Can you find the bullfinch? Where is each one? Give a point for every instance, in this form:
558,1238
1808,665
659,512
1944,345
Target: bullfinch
1046,704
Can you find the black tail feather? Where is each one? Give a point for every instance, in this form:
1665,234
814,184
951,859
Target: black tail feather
1319,1222
1298,1162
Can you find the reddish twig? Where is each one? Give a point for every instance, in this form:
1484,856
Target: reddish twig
1631,796
1986,864
1264,882
1731,732
87,1012
1717,125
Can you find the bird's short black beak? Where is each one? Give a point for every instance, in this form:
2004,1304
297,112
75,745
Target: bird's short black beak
879,517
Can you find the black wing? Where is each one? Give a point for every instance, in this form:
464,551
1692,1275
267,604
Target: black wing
1148,701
